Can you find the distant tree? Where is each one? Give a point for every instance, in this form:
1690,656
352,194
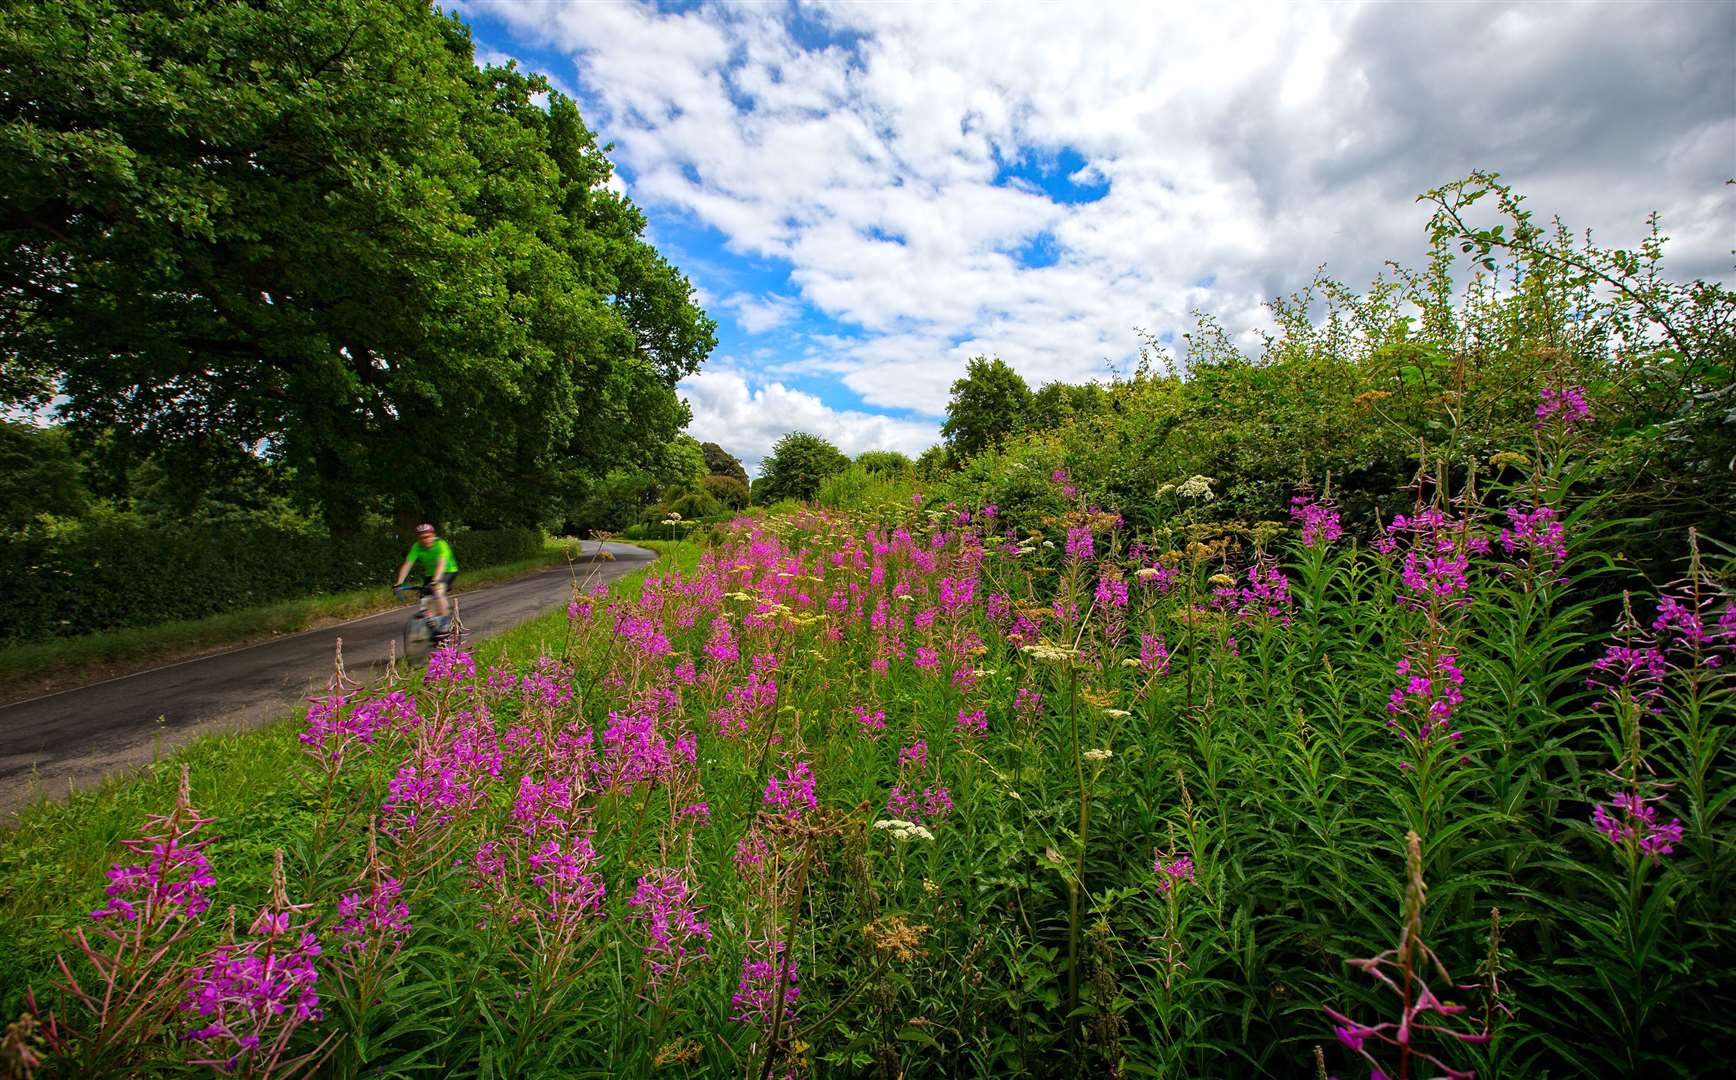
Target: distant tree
885,462
798,465
680,466
988,404
934,462
720,462
612,502
39,474
1057,403
731,493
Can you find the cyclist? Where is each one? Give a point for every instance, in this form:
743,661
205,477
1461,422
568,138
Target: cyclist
433,559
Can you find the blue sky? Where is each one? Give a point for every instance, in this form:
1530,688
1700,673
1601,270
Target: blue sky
868,194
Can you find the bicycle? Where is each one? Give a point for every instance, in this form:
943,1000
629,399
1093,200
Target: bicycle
423,626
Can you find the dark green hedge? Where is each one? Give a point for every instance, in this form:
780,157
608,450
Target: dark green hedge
110,574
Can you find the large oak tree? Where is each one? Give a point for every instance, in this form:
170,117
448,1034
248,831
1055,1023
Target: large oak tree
315,230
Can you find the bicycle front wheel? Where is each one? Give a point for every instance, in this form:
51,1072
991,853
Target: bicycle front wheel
417,635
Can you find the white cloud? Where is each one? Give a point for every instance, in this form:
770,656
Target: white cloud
757,314
746,419
1242,146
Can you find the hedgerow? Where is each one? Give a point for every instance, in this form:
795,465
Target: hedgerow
112,571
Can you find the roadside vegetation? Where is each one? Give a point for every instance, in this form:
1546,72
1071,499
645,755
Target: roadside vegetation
57,844
894,793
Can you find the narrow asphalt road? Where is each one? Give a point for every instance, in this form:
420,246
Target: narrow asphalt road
78,737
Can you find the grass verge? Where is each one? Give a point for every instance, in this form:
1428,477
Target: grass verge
40,667
52,860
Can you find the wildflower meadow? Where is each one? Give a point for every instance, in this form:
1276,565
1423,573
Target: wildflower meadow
918,791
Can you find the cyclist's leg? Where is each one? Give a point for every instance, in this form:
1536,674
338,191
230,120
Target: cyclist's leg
440,585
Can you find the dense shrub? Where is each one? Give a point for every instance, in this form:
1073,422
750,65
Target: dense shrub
688,526
113,570
885,461
859,488
1440,368
727,490
693,504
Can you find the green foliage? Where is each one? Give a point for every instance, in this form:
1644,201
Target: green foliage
1058,403
935,462
612,502
322,231
720,462
886,462
695,504
731,494
990,403
39,474
112,570
680,465
798,464
859,488
1448,361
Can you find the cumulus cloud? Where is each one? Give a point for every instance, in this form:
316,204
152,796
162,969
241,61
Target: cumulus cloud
878,155
746,418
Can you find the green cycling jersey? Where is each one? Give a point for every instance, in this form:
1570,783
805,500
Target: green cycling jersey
425,560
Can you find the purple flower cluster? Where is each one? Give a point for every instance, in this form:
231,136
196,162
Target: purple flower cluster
957,594
1635,667
1080,545
1060,478
1439,575
175,875
755,1000
932,803
663,901
1686,626
450,665
793,792
1536,535
633,751
1172,869
1111,592
565,874
252,994
1267,593
721,647
1430,696
971,722
379,915
1319,521
1630,818
870,724
1153,654
436,788
1565,409
905,801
